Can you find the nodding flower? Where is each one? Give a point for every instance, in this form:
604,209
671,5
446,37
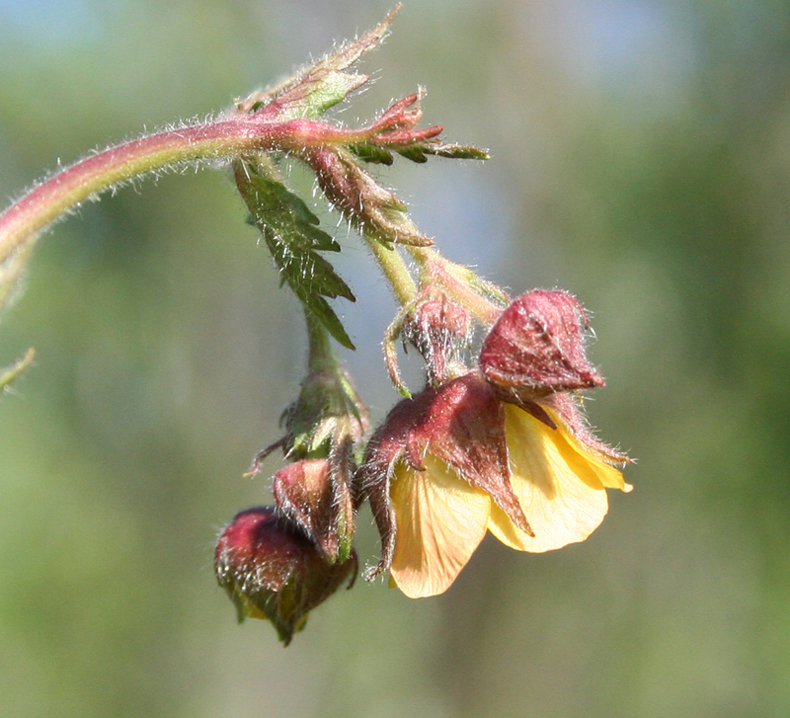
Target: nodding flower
492,450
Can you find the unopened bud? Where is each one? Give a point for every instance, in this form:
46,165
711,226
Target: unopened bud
438,329
536,347
315,494
363,202
271,570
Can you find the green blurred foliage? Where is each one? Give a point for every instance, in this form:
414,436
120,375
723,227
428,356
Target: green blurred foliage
640,158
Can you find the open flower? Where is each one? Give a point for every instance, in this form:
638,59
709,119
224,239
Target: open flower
467,457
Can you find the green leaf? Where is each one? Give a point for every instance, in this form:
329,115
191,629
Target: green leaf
333,88
416,153
458,152
374,154
294,239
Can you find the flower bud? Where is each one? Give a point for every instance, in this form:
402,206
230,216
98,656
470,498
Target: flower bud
438,328
536,347
363,202
271,570
315,494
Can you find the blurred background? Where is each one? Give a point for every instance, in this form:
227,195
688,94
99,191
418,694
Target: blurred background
640,158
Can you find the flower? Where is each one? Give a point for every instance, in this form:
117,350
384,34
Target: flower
325,427
272,570
474,455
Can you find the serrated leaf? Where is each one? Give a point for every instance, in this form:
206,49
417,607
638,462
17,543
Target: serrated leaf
458,152
294,239
418,151
326,315
372,153
415,154
333,88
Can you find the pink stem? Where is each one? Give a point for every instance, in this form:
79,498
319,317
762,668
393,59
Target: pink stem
222,139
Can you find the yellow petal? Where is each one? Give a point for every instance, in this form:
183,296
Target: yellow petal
441,519
559,485
588,468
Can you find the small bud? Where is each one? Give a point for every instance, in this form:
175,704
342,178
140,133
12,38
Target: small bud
363,202
271,570
439,329
536,347
315,494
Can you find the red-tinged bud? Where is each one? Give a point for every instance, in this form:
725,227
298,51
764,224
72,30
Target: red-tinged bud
363,202
402,114
536,348
315,494
439,329
271,570
395,128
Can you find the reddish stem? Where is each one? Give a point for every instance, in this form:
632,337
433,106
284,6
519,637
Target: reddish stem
223,139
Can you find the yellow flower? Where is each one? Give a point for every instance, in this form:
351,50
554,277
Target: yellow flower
441,517
504,449
457,461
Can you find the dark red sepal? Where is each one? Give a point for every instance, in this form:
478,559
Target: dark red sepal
271,569
536,347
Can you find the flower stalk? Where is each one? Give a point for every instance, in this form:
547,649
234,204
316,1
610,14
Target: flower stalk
66,190
394,269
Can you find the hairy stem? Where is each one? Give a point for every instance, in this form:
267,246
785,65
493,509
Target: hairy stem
394,269
66,190
320,356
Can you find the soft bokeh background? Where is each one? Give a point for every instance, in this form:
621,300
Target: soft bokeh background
640,158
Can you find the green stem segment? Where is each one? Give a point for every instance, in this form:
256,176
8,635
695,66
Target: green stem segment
394,269
320,357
